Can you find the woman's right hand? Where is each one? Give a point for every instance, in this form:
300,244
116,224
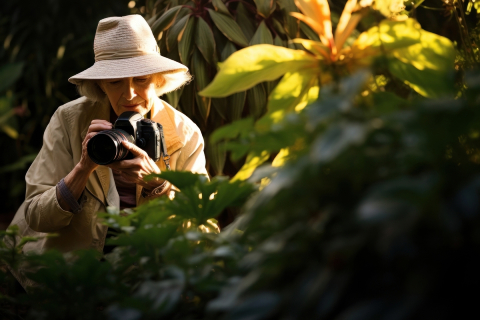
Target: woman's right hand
95,126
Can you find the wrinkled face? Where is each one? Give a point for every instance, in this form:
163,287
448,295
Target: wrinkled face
130,94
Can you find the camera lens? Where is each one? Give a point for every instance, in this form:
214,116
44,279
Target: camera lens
106,146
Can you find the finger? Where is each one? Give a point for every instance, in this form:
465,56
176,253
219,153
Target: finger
96,121
136,151
99,127
123,165
88,137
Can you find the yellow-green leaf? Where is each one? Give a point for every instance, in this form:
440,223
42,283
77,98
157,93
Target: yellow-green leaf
315,47
228,27
432,52
290,92
281,157
252,65
185,41
11,132
427,82
262,35
427,66
205,41
387,36
265,7
252,162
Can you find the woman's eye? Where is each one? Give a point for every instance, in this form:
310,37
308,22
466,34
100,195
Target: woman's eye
114,82
141,79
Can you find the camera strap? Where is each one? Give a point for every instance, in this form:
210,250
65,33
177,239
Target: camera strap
165,155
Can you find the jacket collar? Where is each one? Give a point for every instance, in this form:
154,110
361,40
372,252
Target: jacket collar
160,113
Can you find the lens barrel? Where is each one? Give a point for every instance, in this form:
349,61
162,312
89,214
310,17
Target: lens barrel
106,146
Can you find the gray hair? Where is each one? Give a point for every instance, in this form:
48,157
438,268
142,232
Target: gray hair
164,83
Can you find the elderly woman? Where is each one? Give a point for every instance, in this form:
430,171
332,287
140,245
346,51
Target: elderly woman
65,188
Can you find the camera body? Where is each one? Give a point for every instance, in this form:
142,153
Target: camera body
106,146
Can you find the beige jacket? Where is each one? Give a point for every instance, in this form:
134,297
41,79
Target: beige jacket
41,214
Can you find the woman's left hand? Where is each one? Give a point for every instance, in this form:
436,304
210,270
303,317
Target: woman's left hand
136,169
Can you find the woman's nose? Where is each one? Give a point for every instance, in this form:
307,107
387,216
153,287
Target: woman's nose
129,92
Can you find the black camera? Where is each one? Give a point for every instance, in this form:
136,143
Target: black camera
106,146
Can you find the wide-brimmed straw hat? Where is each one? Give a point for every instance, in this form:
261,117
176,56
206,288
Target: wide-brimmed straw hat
125,47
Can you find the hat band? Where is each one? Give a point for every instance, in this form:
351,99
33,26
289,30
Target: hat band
123,54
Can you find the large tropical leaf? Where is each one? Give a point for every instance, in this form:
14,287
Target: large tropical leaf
287,95
386,37
252,65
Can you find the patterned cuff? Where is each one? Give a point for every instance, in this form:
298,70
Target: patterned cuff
67,196
155,192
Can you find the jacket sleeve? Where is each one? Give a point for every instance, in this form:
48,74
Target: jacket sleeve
54,162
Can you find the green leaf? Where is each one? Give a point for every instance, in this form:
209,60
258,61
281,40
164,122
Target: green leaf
181,179
185,44
427,82
220,105
228,27
205,41
236,103
220,7
201,80
241,127
174,97
227,51
244,20
338,138
278,41
278,26
386,37
265,7
287,96
9,130
432,52
262,35
217,155
312,35
252,65
187,100
9,73
253,161
291,26
19,163
257,100
166,20
174,32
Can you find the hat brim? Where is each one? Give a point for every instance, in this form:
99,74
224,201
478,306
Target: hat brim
129,67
